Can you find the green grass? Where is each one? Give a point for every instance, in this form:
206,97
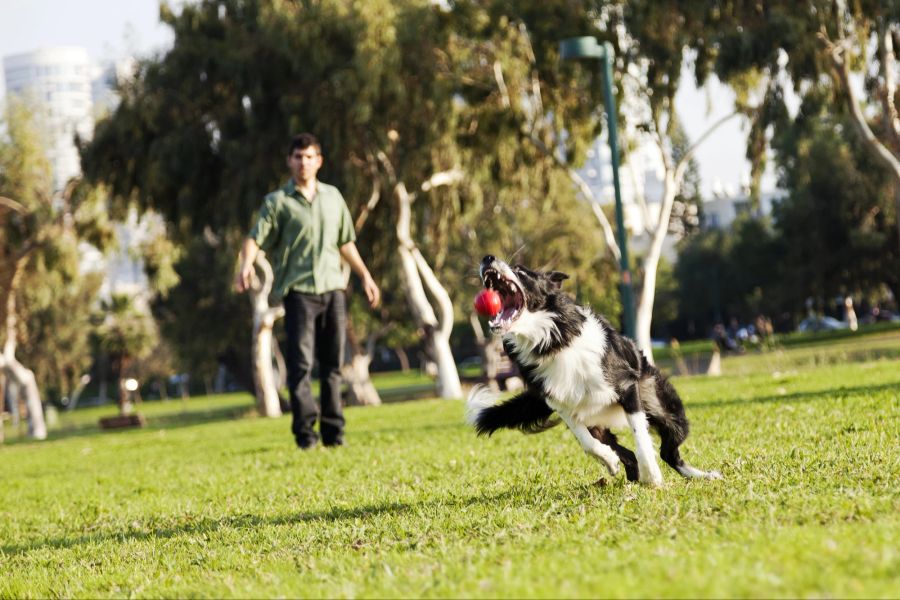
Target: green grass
200,503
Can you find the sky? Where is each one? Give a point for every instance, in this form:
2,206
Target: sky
113,29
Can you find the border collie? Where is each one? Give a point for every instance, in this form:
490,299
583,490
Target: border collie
576,365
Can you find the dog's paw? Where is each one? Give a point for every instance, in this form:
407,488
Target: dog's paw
607,456
649,474
480,397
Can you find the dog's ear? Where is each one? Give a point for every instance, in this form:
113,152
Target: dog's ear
556,278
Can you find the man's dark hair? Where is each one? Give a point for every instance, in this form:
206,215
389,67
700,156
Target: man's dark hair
303,141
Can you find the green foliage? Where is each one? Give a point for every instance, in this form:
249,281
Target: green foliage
201,504
394,91
125,332
838,224
735,273
40,235
203,319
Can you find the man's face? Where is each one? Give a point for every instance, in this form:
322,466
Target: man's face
305,164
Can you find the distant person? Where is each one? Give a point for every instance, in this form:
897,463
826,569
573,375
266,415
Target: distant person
850,314
305,229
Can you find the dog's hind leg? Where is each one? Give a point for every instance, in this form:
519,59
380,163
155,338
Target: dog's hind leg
631,400
629,460
672,424
593,447
669,453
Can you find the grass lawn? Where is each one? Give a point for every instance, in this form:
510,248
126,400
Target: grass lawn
202,503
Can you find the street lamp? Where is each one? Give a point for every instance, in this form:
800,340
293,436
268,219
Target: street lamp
587,47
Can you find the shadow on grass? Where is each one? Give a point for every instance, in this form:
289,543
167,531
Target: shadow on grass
528,495
796,397
174,420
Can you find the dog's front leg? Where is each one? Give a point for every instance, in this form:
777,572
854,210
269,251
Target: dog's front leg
592,445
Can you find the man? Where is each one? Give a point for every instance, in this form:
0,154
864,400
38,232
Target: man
305,229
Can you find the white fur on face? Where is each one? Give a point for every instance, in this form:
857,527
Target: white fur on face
529,330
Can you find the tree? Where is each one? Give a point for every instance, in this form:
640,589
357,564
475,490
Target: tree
205,120
39,236
803,43
125,334
837,221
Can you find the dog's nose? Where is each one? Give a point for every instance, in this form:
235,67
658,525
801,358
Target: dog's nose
487,260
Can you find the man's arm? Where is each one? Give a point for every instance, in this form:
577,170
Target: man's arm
351,255
245,271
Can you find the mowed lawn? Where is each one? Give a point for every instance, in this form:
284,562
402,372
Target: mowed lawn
208,501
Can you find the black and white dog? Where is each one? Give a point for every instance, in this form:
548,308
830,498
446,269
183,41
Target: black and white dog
575,364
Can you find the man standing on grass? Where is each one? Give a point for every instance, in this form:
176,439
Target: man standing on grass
305,229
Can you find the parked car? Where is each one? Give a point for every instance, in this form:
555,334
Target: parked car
816,324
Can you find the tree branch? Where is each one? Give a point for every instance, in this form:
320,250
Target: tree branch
443,178
501,85
683,163
585,189
11,204
837,52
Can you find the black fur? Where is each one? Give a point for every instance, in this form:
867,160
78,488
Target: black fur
526,412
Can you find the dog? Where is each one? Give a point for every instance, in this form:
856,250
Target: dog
574,364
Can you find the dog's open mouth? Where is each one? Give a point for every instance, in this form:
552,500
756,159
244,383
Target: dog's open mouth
510,294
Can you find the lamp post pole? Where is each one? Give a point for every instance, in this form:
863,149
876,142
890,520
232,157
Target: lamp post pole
587,47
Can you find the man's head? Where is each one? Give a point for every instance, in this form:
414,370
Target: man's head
304,158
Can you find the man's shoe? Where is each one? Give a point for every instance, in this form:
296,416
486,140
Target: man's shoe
332,443
307,443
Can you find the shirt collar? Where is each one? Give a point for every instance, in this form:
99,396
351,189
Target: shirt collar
291,189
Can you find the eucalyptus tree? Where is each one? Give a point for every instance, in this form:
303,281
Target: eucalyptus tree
45,299
846,50
556,107
199,135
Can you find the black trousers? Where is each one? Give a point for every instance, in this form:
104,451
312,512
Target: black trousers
316,328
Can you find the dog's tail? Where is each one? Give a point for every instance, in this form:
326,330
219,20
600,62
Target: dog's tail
526,411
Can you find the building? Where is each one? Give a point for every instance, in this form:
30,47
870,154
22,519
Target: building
57,83
726,205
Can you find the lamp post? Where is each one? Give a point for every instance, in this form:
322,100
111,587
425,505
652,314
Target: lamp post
585,48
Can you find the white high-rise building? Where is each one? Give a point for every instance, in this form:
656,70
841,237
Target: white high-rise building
57,84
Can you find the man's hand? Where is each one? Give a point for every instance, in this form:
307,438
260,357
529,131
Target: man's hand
243,281
372,292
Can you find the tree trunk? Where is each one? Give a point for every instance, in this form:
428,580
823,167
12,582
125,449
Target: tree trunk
416,274
24,378
403,358
15,372
356,370
360,389
489,350
651,263
264,317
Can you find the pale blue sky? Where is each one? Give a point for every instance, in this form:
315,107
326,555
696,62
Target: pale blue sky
112,29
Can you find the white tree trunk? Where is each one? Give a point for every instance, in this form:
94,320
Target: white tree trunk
361,390
264,317
27,384
416,274
12,368
651,263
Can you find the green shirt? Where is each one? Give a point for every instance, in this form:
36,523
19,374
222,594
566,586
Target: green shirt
301,238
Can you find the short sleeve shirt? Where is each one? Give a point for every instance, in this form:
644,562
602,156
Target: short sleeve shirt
302,238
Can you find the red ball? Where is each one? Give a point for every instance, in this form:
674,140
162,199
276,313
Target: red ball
488,303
